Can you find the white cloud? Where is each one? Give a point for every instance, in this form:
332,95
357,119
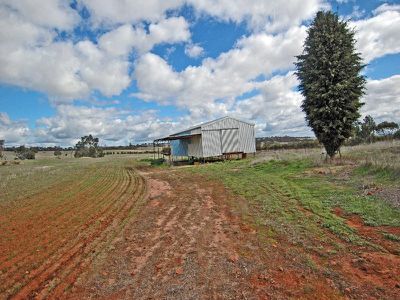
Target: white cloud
380,34
213,86
123,39
271,16
156,79
111,125
172,30
382,100
31,57
34,56
386,7
47,13
13,131
194,50
277,107
129,11
357,13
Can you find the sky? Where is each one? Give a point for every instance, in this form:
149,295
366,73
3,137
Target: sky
132,71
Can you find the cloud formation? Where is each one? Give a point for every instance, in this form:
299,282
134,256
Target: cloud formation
224,78
117,50
380,34
13,131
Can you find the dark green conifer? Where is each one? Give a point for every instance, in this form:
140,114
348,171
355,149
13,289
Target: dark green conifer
330,77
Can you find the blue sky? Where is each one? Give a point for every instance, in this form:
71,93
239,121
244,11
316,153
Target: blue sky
134,71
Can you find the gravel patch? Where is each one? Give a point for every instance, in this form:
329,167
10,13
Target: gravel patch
391,195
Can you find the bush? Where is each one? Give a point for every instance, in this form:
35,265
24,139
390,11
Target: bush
24,153
88,147
157,162
396,135
166,151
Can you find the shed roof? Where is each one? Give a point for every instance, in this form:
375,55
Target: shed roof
209,123
175,137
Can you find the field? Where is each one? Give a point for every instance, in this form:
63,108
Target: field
284,224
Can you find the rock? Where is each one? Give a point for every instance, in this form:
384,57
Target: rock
281,269
233,257
179,271
397,285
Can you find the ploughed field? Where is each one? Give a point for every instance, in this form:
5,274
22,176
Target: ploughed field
255,229
51,230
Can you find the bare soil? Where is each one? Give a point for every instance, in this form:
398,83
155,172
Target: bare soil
174,235
195,240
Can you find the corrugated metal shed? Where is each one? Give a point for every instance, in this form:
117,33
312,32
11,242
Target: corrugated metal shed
215,138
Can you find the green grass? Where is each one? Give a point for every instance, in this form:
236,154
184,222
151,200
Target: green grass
298,204
391,237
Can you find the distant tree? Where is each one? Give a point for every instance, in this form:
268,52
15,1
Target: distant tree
387,128
22,153
330,80
396,135
1,148
57,153
88,146
368,128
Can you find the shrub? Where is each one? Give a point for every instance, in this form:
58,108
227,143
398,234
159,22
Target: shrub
88,147
396,135
24,153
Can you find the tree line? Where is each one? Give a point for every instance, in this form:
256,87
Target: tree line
87,146
368,131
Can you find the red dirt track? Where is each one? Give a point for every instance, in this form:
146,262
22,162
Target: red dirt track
168,235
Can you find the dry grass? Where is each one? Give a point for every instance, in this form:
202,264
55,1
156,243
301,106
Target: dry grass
381,154
377,155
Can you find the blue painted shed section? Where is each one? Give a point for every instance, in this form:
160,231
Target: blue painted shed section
179,147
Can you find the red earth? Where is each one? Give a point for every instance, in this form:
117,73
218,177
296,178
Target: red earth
162,234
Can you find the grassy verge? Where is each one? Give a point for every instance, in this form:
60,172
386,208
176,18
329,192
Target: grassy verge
297,203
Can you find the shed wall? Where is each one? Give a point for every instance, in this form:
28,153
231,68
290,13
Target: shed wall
235,135
195,147
211,143
230,140
246,137
179,147
247,140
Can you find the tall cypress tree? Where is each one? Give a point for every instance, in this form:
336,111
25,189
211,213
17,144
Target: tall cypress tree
330,80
